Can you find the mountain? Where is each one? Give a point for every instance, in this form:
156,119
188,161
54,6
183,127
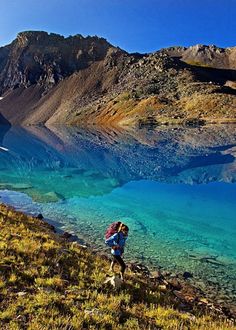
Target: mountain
49,79
212,56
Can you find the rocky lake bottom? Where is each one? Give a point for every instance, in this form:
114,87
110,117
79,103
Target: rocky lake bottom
174,187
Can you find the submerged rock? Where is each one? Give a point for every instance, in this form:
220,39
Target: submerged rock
50,197
187,275
54,196
15,186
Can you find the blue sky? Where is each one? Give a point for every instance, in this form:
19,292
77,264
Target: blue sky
137,25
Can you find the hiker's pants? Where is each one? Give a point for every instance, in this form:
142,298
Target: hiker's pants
121,262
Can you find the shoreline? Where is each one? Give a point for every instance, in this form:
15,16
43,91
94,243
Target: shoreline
182,284
188,294
174,291
46,279
178,283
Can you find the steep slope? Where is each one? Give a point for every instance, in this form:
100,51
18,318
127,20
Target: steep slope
36,62
50,283
46,78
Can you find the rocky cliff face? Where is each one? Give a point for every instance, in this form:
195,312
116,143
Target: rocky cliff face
45,59
46,78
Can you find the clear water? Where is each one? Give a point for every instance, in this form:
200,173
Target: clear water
175,189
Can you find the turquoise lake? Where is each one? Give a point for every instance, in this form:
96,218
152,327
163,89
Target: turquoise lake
174,187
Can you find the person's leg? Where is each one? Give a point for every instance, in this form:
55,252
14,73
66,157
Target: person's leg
111,269
122,265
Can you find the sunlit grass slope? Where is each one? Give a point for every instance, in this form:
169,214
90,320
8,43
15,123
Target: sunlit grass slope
49,283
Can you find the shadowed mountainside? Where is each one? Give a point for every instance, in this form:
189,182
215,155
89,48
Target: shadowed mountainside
4,127
47,79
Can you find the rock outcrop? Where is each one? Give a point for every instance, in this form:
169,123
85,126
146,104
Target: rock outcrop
47,79
211,56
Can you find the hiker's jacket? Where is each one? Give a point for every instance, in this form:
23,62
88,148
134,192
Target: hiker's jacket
118,239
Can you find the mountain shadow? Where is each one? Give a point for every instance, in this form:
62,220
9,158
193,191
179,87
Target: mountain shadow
4,121
220,76
4,127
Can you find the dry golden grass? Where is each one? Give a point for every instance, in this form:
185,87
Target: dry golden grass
49,283
125,110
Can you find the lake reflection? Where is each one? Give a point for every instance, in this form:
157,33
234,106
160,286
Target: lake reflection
174,187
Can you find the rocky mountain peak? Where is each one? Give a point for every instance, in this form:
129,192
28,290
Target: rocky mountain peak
37,57
204,49
205,55
24,38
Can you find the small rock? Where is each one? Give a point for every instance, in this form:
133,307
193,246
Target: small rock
203,300
21,293
187,297
155,274
66,235
166,273
51,227
94,311
187,275
174,284
179,295
21,318
115,281
162,288
83,246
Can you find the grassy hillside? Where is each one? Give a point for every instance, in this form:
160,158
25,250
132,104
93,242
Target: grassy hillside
48,283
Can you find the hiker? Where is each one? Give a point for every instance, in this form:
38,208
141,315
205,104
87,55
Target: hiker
117,242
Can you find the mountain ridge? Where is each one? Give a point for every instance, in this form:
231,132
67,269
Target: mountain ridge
51,79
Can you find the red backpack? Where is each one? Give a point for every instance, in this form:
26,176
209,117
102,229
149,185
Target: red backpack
112,229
